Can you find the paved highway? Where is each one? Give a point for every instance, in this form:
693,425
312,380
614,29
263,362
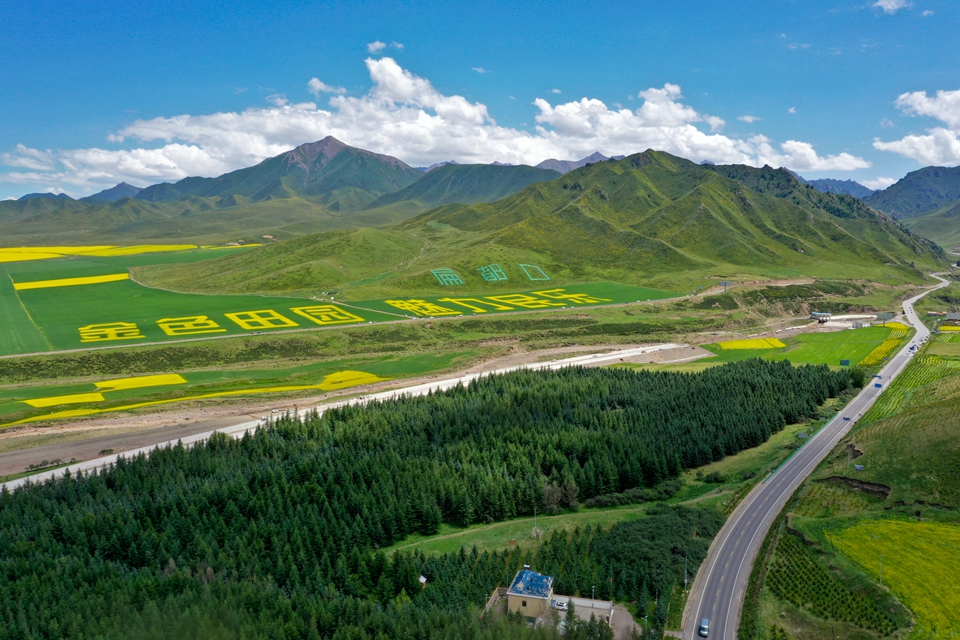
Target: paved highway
719,589
237,430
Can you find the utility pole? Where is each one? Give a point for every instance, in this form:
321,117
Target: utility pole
593,594
684,572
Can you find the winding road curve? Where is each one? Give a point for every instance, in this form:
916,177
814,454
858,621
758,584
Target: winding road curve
721,583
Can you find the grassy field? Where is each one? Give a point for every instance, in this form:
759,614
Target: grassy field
908,454
920,562
813,348
79,398
54,311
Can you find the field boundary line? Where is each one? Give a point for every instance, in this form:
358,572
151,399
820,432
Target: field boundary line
27,311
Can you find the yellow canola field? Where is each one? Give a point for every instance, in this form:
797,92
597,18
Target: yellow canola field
921,561
888,346
57,400
949,328
19,254
752,343
70,282
333,381
140,382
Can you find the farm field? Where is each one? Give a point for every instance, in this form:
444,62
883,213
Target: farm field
31,403
920,560
890,487
89,301
829,348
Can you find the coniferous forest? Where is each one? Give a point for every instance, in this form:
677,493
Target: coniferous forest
279,534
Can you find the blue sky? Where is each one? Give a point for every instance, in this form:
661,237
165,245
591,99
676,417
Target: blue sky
144,92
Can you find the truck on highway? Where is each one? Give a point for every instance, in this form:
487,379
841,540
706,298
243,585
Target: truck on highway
704,627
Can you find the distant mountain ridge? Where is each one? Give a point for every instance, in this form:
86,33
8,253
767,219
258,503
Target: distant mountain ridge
327,168
566,166
848,187
317,186
51,196
919,192
122,190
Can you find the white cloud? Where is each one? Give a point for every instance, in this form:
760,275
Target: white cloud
878,184
886,123
940,145
555,91
480,70
28,158
404,115
792,110
748,119
376,46
891,6
801,156
397,45
927,13
278,99
944,106
317,86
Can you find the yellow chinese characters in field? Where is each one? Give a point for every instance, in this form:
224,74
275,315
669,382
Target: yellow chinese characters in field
422,307
472,304
545,299
189,325
262,319
110,331
325,314
574,298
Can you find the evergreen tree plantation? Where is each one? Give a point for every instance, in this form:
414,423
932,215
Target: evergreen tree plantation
278,534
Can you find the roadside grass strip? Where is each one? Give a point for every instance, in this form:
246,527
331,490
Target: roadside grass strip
920,561
331,382
53,401
70,282
753,343
141,382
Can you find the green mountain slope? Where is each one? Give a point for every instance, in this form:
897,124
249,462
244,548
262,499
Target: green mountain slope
940,225
648,219
918,192
466,183
300,264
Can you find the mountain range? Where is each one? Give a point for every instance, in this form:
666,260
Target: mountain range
328,185
927,201
318,186
651,218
